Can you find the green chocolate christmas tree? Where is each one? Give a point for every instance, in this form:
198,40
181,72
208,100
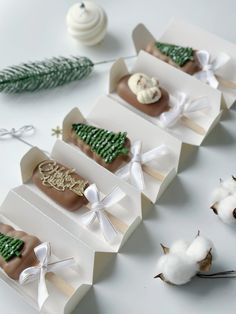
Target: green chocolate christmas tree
180,55
10,247
108,145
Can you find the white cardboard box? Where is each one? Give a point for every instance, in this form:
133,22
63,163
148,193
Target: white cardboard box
63,245
182,33
118,118
174,81
128,210
63,229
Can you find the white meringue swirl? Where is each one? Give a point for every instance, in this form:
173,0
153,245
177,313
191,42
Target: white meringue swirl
87,23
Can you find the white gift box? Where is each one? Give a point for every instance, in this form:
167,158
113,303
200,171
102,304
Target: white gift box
128,211
175,82
22,215
117,118
182,33
37,214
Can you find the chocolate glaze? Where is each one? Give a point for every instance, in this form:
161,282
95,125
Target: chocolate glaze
113,166
189,67
154,109
16,265
67,199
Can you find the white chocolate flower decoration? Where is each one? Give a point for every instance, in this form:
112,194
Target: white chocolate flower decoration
145,88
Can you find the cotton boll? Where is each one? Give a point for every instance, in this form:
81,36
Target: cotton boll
226,209
183,260
229,185
226,188
179,246
177,269
219,194
161,263
199,248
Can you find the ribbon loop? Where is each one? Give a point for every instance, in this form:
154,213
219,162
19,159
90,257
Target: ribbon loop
38,272
98,207
154,153
182,106
136,172
133,169
209,67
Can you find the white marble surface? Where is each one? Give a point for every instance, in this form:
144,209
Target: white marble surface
31,30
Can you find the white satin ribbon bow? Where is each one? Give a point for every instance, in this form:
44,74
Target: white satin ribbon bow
98,206
182,106
134,168
38,272
209,67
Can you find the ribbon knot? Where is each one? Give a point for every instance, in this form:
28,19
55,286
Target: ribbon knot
44,267
210,66
98,212
38,272
133,169
97,206
136,158
182,106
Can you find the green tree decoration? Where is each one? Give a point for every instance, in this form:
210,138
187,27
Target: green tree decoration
108,145
45,74
180,55
10,247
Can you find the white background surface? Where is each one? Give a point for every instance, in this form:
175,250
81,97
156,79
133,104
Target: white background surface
35,29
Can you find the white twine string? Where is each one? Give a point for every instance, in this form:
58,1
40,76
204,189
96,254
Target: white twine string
26,130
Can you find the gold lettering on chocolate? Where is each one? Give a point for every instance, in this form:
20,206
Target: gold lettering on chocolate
57,177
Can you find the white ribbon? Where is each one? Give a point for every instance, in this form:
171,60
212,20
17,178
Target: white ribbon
133,169
182,106
18,133
97,210
209,67
38,272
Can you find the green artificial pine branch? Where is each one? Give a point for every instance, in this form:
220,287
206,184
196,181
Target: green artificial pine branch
44,74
